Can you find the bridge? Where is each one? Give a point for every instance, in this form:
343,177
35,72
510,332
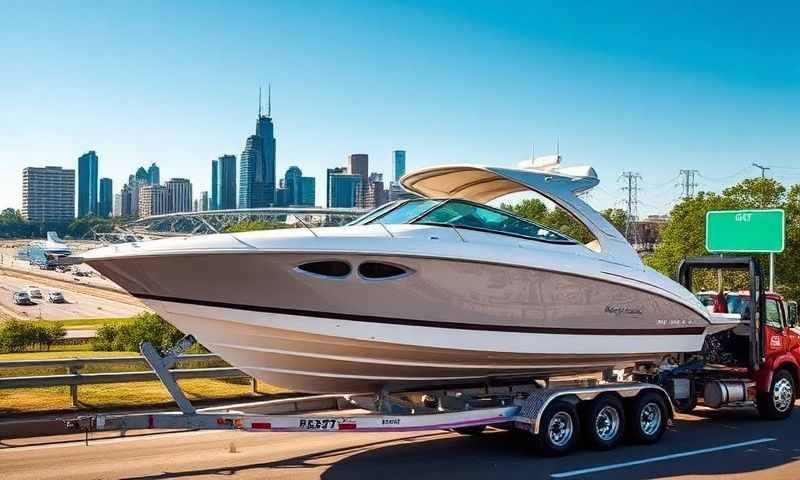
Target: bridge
216,221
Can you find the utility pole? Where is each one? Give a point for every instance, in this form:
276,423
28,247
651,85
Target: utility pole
688,184
631,206
762,167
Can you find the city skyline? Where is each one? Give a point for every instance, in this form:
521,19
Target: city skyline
694,90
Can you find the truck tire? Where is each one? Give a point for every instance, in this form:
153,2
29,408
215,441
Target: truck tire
604,422
778,403
558,429
647,418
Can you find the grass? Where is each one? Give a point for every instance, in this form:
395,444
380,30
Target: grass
89,323
115,395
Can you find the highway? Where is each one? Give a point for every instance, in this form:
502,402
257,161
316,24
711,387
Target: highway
712,444
80,303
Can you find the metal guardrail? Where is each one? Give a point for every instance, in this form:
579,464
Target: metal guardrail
73,378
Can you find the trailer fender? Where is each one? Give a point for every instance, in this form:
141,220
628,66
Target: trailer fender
530,414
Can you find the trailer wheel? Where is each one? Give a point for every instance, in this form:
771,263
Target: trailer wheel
778,403
647,418
558,429
471,430
604,422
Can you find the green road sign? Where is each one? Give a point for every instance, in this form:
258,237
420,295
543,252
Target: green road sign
750,231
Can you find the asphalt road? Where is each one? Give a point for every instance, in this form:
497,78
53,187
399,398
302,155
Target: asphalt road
733,444
79,305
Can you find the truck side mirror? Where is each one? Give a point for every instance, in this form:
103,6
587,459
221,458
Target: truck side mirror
792,314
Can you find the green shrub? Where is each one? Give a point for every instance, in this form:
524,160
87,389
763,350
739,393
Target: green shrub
18,335
127,337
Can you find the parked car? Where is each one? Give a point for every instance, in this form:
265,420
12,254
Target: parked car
22,298
34,291
55,296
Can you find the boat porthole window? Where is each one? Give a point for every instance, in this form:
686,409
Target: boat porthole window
379,271
328,268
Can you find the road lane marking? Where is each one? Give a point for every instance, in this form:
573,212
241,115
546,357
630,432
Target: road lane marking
632,463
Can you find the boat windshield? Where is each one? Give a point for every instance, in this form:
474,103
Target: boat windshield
369,216
405,212
462,214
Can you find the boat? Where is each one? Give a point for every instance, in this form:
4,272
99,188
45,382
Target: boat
437,290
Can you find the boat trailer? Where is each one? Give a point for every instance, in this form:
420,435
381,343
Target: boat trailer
549,413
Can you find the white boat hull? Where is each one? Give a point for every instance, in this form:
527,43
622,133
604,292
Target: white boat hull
322,355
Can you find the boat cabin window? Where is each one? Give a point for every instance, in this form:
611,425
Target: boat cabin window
405,212
369,216
463,214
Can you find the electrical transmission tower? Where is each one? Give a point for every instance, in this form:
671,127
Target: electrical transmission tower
688,184
632,206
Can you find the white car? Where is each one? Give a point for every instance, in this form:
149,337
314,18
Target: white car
34,291
54,296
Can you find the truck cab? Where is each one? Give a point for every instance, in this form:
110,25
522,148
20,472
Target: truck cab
753,357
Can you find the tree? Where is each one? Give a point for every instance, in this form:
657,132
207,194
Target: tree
684,234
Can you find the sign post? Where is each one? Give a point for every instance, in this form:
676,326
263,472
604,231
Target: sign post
747,231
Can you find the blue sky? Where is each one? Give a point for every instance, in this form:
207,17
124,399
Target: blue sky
651,87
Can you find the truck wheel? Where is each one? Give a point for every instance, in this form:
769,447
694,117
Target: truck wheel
604,422
647,418
558,429
778,403
471,430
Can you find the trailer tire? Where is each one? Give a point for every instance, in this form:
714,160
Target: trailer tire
778,403
647,418
604,422
471,430
559,428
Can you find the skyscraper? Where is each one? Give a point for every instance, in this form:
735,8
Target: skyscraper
343,189
87,184
117,205
376,194
291,182
179,194
252,191
300,190
308,192
265,129
359,165
135,182
226,183
214,201
106,197
153,200
127,208
204,201
48,194
257,163
398,164
154,174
